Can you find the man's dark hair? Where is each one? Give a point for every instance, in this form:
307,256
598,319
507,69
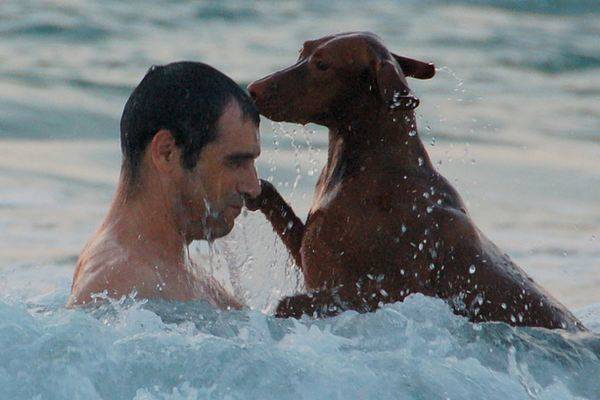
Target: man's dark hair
187,98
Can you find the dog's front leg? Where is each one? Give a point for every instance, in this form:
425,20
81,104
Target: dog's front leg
314,304
283,219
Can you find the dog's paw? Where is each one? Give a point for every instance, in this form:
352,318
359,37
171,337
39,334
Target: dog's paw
260,201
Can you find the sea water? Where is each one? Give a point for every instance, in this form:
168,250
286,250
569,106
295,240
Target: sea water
511,119
417,349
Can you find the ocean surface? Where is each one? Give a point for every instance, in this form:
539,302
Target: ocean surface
512,118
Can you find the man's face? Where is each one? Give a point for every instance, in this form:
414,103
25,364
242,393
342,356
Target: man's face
212,192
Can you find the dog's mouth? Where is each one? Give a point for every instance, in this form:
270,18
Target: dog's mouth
269,102
275,110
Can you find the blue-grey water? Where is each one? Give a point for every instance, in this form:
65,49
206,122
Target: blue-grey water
512,118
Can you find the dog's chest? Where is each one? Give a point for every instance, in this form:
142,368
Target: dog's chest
344,236
365,226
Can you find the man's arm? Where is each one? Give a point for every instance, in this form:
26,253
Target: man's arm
283,219
220,296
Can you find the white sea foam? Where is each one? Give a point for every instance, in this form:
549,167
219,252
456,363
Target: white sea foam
159,350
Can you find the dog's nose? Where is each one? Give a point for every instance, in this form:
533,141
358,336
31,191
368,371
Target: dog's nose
254,90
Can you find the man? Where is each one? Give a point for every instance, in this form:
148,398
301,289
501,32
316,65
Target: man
189,138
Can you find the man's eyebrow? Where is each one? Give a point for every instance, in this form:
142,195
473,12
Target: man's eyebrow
242,156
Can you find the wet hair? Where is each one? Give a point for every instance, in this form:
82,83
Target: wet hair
187,98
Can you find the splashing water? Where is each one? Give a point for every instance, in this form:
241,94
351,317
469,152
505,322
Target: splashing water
167,350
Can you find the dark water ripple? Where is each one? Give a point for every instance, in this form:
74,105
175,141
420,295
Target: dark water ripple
553,7
92,53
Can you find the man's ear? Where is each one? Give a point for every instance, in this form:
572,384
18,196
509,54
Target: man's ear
393,90
415,68
165,153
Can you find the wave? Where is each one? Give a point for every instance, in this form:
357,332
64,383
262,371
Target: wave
53,31
554,7
167,350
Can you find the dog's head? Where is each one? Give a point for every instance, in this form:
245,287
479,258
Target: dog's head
332,73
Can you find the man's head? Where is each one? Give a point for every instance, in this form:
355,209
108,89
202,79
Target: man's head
190,135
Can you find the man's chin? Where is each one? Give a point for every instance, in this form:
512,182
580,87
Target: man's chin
219,233
215,231
213,227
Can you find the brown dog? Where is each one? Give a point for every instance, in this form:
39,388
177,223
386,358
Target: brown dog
384,223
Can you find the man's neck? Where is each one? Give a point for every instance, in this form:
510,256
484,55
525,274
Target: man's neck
145,222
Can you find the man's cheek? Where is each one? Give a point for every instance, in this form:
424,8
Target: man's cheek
200,196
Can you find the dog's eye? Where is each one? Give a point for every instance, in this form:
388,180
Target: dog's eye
321,66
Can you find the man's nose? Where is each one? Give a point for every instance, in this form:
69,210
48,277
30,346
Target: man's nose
249,185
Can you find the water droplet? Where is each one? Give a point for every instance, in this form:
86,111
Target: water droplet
479,298
472,269
503,305
412,132
403,228
429,210
512,318
420,162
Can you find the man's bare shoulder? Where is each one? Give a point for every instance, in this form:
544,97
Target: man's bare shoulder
117,267
104,265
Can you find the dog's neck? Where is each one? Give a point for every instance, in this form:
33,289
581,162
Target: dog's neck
391,135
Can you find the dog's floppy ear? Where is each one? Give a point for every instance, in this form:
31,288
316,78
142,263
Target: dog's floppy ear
392,86
415,68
